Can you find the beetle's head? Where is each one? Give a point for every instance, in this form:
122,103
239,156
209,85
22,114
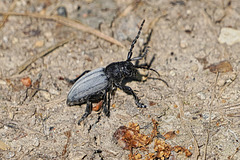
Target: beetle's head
129,69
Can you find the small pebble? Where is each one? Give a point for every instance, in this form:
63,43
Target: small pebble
229,36
221,82
46,95
36,142
201,95
10,155
189,12
14,40
183,44
5,39
206,116
39,43
2,82
172,73
48,34
53,91
194,68
188,28
62,11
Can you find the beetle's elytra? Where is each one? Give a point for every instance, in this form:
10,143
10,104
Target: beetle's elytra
93,86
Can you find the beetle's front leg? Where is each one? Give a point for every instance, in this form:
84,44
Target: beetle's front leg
87,112
129,90
72,81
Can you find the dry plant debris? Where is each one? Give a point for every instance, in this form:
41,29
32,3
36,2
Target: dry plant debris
98,106
170,135
221,67
26,81
22,67
67,22
130,138
3,146
68,135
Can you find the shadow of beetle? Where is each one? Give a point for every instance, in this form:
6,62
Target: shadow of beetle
93,86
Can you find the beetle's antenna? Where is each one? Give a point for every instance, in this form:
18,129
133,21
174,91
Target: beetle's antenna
147,67
145,50
134,41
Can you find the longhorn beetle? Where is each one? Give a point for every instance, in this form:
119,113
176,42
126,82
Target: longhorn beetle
93,86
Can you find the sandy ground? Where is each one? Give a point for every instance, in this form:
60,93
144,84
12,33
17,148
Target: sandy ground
201,105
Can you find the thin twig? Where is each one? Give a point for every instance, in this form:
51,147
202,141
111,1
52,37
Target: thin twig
41,54
129,8
152,24
68,22
196,149
210,116
231,157
5,17
228,84
233,106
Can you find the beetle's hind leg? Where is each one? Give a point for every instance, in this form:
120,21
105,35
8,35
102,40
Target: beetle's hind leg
106,103
72,81
87,112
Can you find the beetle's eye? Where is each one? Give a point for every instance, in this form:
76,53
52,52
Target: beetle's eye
129,67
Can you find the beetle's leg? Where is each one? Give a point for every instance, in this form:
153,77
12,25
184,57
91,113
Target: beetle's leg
72,81
87,112
105,101
129,90
109,103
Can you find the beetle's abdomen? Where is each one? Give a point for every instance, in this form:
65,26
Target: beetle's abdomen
94,83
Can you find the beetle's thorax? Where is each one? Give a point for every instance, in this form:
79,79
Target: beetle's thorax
117,71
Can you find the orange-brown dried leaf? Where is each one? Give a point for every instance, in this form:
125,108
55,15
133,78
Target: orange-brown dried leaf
98,106
182,149
163,150
175,106
151,103
170,135
88,58
221,67
187,153
122,138
136,156
67,134
154,131
150,156
26,81
134,126
130,137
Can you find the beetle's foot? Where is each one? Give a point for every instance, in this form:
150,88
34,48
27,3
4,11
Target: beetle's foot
106,111
79,122
83,117
141,105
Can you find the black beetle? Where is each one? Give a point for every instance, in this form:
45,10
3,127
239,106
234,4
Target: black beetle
93,86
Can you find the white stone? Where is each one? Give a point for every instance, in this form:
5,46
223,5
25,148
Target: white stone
229,36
